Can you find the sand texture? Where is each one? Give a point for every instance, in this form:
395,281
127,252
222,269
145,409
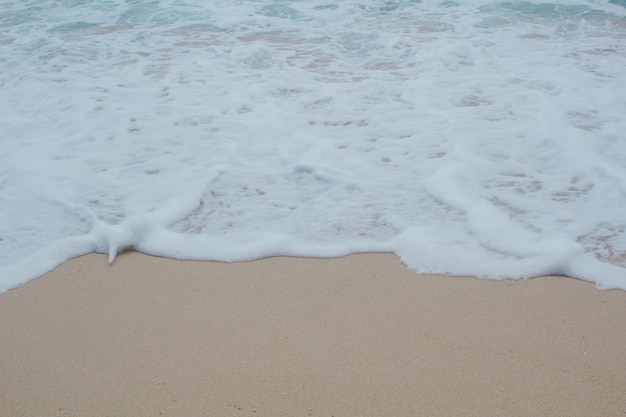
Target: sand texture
356,336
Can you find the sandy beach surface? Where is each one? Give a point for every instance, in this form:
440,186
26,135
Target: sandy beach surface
355,336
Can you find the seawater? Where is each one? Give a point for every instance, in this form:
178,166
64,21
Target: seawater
472,137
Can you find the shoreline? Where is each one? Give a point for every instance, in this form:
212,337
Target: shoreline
355,336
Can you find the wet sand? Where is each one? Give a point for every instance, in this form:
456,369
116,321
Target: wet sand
355,336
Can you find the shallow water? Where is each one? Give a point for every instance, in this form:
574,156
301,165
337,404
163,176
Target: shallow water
477,137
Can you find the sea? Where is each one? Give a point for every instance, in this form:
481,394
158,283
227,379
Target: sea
475,137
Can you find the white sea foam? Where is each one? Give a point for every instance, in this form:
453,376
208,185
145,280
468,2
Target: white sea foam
473,137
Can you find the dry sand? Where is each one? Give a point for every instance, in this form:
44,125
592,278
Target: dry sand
356,336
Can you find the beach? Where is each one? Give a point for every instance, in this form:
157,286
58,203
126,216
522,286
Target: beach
355,336
317,161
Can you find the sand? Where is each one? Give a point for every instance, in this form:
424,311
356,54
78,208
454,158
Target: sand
356,336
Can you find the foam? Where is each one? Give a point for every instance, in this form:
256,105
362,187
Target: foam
480,138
